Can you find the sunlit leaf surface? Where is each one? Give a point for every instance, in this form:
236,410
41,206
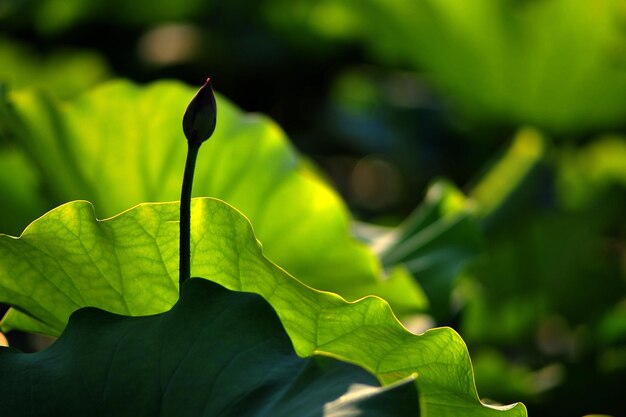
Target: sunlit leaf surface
122,144
128,265
495,60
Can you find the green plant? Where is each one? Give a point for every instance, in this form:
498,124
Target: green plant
497,61
198,124
127,265
93,148
520,247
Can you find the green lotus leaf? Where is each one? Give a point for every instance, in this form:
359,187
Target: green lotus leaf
65,72
549,216
435,243
216,352
128,265
588,174
19,201
505,183
122,144
496,60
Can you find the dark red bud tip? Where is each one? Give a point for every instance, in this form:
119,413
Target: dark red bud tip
201,115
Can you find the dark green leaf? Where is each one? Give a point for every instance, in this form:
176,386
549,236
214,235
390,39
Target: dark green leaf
129,265
435,243
216,352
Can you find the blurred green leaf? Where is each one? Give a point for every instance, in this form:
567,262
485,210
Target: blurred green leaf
122,144
546,262
523,62
612,328
550,265
507,175
585,174
64,72
504,378
435,243
128,264
20,202
215,352
556,243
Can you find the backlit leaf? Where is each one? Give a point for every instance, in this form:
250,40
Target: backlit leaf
128,265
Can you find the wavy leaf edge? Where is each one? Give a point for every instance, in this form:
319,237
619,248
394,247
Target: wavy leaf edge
343,340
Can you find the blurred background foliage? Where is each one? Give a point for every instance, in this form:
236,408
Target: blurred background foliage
491,132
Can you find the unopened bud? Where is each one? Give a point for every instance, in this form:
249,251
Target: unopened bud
200,117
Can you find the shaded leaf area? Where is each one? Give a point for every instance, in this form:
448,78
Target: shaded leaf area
435,243
216,352
505,183
591,173
129,265
549,266
513,57
122,144
550,285
548,251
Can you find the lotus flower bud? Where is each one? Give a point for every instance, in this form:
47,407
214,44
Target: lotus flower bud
200,117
